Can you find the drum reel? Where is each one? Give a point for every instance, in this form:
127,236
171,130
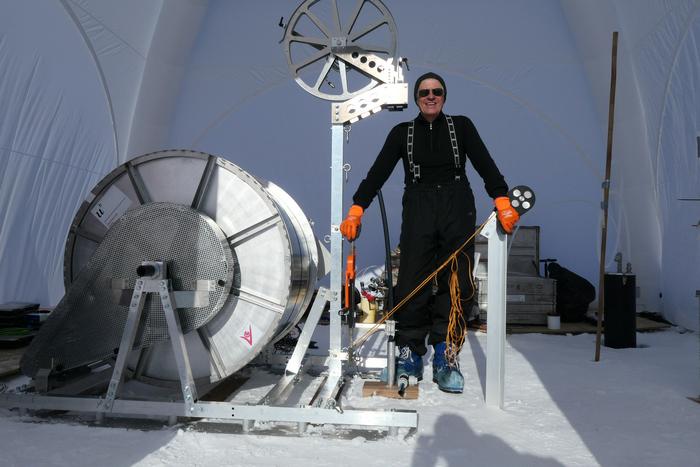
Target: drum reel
241,255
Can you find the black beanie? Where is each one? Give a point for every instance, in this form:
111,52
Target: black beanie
428,75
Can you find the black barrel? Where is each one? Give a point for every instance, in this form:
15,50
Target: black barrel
620,311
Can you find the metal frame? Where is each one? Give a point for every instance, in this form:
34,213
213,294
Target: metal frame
164,289
321,410
340,118
218,410
389,91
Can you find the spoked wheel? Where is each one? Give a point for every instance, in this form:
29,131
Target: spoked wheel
319,30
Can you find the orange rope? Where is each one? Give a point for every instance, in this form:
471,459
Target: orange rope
454,330
457,327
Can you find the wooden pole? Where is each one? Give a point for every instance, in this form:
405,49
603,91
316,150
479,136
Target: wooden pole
606,194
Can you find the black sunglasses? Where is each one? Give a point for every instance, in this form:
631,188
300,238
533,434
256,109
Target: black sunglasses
437,92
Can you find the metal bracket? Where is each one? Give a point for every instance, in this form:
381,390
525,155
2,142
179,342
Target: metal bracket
198,298
41,380
393,96
371,64
339,354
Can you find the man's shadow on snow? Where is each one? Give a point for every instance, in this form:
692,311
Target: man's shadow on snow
456,445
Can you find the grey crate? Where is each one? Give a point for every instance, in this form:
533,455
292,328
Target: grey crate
528,285
528,299
517,313
522,314
524,252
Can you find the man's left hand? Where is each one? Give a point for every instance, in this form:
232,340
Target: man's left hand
507,215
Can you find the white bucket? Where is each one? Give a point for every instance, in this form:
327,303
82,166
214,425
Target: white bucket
553,322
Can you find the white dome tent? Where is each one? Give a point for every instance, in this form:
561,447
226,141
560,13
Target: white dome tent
88,85
116,80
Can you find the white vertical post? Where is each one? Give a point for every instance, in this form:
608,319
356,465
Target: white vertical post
335,364
496,313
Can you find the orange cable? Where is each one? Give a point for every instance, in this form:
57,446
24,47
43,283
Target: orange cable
452,258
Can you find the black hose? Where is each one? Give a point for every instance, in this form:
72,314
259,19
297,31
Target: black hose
389,299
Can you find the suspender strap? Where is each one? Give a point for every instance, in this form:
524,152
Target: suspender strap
453,140
415,168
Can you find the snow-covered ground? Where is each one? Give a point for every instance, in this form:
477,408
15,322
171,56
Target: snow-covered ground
561,409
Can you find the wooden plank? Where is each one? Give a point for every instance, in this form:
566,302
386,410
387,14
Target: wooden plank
643,324
566,328
379,388
646,324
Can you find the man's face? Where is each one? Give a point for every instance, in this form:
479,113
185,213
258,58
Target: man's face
430,105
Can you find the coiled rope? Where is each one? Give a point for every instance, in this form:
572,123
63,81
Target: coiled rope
456,328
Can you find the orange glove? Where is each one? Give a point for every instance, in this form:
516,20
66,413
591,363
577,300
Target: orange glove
351,226
507,215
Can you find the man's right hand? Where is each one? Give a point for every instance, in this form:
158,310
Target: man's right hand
351,226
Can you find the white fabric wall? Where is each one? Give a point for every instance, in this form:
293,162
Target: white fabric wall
668,63
518,83
534,77
118,36
56,141
655,153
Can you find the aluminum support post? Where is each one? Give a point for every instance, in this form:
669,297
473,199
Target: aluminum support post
496,312
309,326
390,329
127,342
335,364
177,339
294,365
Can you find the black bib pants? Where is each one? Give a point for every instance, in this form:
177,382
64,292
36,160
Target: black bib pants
438,215
436,220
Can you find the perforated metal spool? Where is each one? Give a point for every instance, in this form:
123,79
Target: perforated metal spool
271,241
87,324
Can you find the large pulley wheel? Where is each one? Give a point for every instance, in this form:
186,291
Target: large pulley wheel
318,34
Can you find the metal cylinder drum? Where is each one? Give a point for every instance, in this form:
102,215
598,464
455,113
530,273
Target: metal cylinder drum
275,256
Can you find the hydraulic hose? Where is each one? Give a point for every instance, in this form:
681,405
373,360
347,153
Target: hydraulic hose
389,279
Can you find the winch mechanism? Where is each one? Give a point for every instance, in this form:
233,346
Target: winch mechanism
181,267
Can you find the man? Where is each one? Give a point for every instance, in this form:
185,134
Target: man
438,216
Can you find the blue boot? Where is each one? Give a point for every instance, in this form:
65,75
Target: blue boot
446,375
409,363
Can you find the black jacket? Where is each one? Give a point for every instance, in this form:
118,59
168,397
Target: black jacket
433,152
